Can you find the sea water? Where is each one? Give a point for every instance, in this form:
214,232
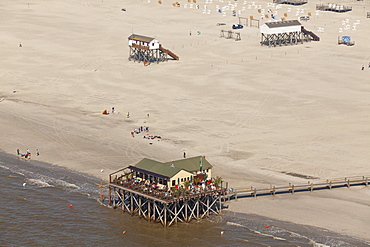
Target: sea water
46,205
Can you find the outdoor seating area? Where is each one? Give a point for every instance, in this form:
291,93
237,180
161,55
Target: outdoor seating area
198,187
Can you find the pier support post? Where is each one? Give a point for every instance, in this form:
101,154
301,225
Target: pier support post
186,211
208,206
110,196
140,207
149,216
220,204
165,215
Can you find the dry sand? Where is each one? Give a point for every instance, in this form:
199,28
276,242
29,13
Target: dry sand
254,112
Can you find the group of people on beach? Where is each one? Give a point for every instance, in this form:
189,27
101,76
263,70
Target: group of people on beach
139,130
27,154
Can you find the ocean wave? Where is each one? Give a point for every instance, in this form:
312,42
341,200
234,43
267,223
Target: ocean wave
317,244
38,183
267,235
4,167
11,169
66,184
255,231
312,242
235,224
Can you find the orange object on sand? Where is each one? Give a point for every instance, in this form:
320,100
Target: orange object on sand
105,112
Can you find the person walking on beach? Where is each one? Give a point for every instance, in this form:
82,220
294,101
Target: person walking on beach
128,114
112,110
18,151
363,67
184,155
20,44
37,152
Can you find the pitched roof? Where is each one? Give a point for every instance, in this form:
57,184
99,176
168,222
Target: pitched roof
283,23
140,38
169,169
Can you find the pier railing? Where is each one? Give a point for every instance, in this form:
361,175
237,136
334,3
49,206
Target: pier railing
166,195
292,188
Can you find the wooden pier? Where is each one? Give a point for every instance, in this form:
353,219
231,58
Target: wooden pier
293,188
165,206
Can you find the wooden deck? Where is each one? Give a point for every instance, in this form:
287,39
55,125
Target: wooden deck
291,2
292,188
333,7
166,197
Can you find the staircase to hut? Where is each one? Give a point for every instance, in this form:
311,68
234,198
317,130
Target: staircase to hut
311,34
170,53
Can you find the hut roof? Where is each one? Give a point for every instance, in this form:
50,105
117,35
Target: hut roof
140,38
283,24
169,169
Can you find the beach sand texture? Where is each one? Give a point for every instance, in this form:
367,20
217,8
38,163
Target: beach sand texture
255,112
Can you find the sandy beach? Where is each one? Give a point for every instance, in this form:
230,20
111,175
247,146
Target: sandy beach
256,113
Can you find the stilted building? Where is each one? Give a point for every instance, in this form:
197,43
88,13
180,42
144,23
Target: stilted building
333,7
170,192
148,50
291,2
284,33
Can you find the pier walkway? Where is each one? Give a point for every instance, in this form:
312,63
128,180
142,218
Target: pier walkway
293,188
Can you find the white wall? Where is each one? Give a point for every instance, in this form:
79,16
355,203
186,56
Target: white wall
154,44
266,30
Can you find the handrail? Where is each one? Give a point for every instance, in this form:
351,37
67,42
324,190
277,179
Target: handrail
310,186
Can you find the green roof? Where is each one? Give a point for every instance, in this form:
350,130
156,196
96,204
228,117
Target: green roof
169,169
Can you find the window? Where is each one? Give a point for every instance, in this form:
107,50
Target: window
173,182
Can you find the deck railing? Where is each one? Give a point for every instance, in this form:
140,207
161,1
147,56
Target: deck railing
292,188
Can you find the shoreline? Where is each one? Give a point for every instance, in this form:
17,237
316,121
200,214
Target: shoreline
265,207
258,114
250,222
